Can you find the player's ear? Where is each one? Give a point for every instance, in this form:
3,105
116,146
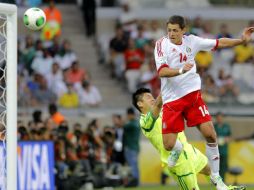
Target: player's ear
139,103
184,29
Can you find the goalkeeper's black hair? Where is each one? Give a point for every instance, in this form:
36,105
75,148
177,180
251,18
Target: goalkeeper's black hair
137,96
176,19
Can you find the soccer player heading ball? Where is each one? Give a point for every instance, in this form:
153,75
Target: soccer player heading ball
180,88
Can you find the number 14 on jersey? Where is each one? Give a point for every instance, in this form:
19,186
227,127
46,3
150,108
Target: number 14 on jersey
183,57
203,110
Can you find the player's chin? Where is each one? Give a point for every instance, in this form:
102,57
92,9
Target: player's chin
173,40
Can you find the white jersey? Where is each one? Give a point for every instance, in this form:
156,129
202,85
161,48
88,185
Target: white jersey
174,56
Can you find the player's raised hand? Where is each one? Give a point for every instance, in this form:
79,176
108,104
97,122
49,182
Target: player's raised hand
187,67
246,35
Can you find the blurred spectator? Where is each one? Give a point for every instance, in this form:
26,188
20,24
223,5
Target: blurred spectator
42,94
66,56
226,85
39,46
131,137
204,59
89,95
89,15
20,56
226,54
118,153
224,134
34,3
77,130
133,60
127,19
86,148
76,74
108,138
243,53
69,99
54,22
207,30
33,84
55,80
23,134
56,116
96,133
108,3
118,44
45,134
155,31
28,53
224,32
71,145
54,46
149,77
196,28
50,124
82,152
149,50
210,92
140,37
43,62
34,135
24,94
66,159
37,116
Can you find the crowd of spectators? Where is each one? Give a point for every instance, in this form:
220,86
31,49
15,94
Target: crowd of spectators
130,58
52,73
91,153
49,69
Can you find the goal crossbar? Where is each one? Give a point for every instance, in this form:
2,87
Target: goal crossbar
8,8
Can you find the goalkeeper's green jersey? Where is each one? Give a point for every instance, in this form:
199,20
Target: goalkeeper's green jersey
152,129
190,162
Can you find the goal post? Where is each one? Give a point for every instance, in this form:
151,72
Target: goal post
9,32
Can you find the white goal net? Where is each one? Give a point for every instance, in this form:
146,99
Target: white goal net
8,97
3,22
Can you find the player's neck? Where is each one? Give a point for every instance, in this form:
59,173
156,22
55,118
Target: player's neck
144,111
178,42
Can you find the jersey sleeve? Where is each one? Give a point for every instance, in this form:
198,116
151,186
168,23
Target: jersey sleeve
147,121
160,55
204,44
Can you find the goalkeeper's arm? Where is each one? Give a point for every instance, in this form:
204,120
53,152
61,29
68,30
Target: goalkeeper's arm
156,109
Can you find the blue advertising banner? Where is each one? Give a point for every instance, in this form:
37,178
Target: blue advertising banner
36,165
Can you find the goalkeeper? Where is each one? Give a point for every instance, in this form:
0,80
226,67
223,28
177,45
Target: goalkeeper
191,160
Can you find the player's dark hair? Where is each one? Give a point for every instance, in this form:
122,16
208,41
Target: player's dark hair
137,96
130,111
219,114
176,19
52,108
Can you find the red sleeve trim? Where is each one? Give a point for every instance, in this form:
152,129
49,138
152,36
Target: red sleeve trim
162,66
159,49
216,45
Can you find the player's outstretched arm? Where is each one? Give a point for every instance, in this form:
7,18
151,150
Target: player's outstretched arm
228,42
156,109
170,72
